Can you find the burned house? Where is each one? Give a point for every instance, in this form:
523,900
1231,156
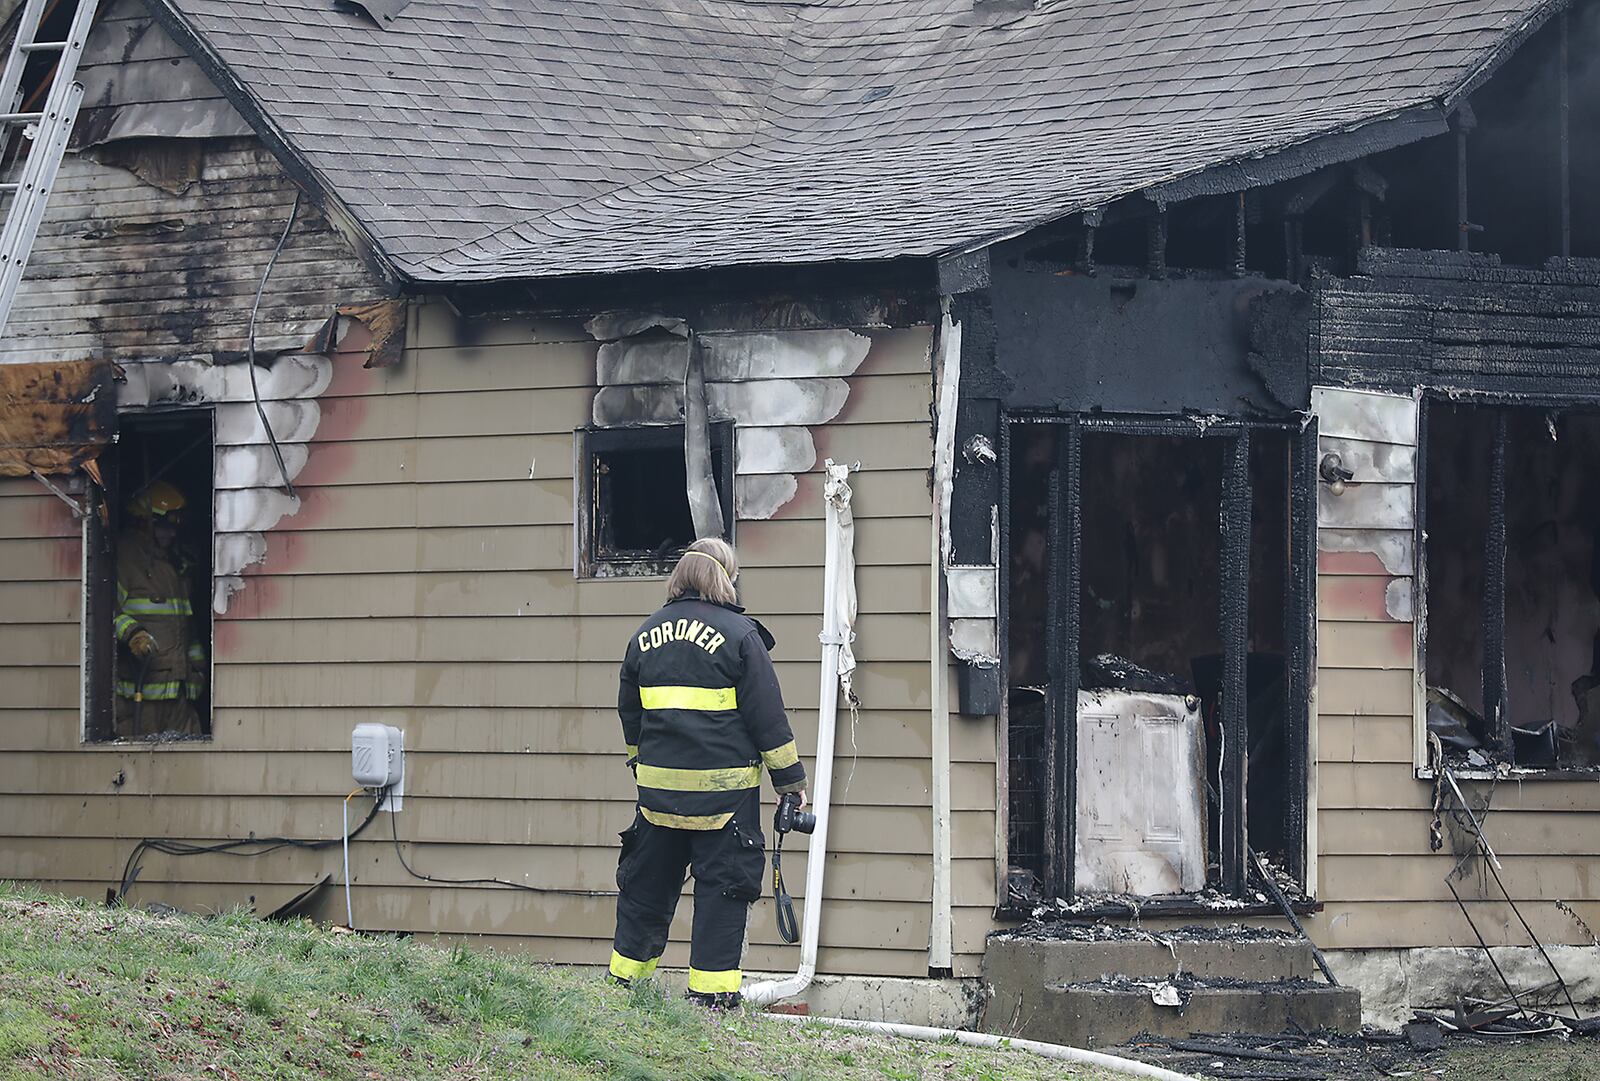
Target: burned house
1224,383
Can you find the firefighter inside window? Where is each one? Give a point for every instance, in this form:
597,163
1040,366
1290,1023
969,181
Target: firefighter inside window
161,659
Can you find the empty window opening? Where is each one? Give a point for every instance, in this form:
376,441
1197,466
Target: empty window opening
1201,233
1515,679
638,519
1151,583
1419,205
1265,246
1124,243
149,581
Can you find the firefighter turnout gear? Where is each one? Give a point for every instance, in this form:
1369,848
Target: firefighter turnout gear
156,689
701,715
728,867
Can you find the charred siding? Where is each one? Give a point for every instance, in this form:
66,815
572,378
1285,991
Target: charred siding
163,218
1462,322
126,270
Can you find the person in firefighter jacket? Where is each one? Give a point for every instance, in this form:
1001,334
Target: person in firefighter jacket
701,715
161,672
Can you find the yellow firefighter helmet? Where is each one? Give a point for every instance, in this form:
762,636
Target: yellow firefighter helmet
157,501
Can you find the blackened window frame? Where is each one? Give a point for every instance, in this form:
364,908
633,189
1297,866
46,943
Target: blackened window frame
104,504
1492,674
590,558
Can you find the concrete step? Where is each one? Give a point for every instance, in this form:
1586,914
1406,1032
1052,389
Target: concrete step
1092,984
1114,1011
1082,954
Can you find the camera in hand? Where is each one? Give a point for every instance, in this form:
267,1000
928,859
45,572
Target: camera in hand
791,817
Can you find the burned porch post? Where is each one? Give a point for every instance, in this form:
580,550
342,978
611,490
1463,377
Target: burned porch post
1235,632
1062,633
1494,595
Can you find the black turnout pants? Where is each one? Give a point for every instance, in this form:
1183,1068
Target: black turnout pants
727,865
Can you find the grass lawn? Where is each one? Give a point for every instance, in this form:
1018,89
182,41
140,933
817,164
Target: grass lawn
96,993
1539,1060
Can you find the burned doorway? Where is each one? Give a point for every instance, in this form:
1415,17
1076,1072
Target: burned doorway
147,571
1160,583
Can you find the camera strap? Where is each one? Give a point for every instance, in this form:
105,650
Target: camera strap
788,929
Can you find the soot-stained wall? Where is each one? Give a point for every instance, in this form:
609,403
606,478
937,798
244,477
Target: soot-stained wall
1231,347
782,388
1037,340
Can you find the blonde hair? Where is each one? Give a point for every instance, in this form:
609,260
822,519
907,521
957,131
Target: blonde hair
707,568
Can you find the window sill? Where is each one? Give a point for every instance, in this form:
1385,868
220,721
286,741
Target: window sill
1513,773
621,572
1185,907
124,745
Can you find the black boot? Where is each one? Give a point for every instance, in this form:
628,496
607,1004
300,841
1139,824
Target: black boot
716,1000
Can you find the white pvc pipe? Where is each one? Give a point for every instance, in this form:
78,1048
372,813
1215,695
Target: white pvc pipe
768,991
344,817
989,1041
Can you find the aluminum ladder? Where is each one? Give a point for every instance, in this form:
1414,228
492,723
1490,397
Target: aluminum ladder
48,130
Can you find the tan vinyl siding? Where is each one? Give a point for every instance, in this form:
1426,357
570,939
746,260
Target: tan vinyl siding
426,582
1381,883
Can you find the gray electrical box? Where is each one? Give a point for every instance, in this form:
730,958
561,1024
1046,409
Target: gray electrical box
377,755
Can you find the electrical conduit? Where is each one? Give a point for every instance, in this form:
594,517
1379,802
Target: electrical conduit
838,617
1060,1052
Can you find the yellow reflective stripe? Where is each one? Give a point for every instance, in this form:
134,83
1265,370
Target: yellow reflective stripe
124,626
158,692
686,822
626,968
712,983
706,699
144,606
633,750
781,757
699,780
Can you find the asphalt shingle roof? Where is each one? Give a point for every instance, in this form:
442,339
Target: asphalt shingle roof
532,138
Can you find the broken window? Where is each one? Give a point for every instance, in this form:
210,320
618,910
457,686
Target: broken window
1152,569
148,581
1512,642
635,517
